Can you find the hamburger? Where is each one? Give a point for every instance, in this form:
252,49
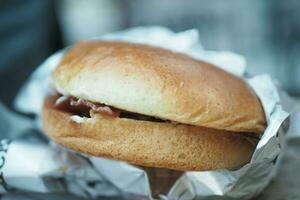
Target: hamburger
151,107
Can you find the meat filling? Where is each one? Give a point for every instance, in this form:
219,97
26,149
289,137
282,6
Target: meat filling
82,108
97,107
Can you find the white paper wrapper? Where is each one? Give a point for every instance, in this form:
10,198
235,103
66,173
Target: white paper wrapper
48,168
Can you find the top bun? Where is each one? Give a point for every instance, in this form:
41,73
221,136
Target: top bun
160,83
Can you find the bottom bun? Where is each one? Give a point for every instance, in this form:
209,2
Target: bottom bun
152,144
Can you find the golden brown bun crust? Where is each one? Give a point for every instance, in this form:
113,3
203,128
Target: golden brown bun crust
153,144
160,83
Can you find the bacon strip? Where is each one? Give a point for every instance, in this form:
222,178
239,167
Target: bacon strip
71,103
98,107
82,107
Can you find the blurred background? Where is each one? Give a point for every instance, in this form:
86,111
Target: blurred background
267,33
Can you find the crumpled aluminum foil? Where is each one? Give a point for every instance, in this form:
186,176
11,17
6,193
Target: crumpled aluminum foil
30,163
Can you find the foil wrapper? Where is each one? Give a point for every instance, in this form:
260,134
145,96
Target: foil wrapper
30,163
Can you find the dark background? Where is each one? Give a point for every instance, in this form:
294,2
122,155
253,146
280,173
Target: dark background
266,32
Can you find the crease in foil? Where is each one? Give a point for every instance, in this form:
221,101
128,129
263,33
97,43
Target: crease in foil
35,165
